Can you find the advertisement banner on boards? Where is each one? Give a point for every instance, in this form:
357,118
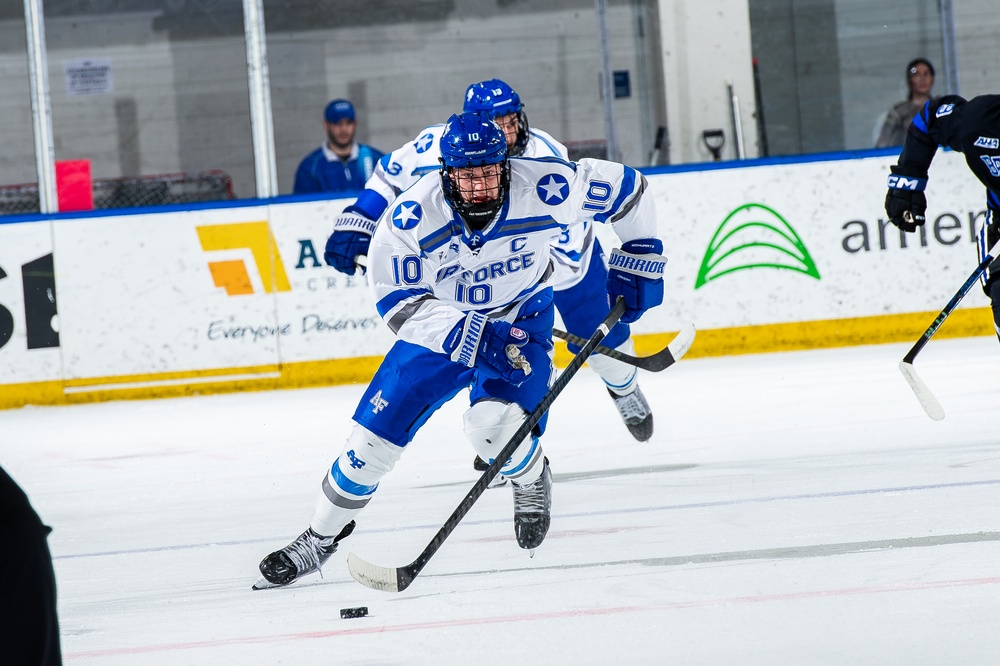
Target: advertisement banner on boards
164,295
220,288
783,243
29,305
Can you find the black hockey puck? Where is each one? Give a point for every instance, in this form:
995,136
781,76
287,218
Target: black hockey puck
348,613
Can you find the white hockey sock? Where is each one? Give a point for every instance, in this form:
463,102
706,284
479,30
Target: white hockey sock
489,425
620,377
351,481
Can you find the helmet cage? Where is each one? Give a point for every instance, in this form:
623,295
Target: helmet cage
521,142
475,214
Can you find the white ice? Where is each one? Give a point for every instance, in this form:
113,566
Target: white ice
795,508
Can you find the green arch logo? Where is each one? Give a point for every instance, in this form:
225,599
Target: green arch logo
754,236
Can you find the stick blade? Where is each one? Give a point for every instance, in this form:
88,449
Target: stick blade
387,579
682,343
669,355
924,395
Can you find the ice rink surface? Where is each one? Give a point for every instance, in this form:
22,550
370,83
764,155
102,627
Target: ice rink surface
794,508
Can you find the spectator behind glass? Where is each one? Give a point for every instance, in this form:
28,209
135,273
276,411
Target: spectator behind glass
341,163
919,81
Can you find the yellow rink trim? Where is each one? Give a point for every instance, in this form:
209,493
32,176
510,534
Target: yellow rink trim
970,322
190,383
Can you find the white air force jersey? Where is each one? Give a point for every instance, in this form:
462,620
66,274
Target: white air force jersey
572,248
426,270
401,168
404,166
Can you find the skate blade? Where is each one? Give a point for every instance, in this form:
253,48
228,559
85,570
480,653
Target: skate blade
263,584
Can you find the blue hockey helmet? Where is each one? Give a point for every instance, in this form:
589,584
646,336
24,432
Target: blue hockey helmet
492,97
497,99
474,140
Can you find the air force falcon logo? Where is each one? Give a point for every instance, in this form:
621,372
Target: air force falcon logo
552,189
407,215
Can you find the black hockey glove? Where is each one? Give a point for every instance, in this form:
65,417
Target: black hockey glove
905,203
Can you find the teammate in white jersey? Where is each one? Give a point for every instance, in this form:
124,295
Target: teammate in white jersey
579,260
459,271
581,272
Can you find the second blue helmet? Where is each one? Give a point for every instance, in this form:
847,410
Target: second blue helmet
495,99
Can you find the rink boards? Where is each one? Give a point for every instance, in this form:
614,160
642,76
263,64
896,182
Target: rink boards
770,255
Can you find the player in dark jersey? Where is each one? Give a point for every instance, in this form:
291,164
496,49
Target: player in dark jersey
971,127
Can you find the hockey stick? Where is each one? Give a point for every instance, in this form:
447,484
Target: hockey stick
924,395
661,360
397,579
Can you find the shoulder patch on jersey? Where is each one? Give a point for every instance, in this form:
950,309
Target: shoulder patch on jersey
992,163
424,143
407,215
987,142
552,189
944,110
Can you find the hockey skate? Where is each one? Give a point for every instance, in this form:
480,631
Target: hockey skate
480,465
532,504
635,412
304,556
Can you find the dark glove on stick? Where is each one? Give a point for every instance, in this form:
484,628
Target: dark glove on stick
905,203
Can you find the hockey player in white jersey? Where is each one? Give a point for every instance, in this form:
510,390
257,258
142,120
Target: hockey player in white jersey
459,270
398,170
579,259
581,272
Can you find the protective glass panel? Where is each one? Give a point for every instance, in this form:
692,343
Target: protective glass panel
152,96
830,71
406,65
18,191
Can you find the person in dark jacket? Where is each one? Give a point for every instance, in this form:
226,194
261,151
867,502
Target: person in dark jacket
919,81
29,624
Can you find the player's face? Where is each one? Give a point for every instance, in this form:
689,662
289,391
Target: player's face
509,124
341,133
478,184
921,79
